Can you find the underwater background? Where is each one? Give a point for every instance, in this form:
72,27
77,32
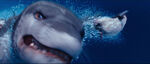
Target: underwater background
132,45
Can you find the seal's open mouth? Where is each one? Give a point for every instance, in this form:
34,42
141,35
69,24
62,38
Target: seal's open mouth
31,42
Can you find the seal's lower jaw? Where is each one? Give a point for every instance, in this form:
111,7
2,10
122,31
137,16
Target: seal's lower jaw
35,52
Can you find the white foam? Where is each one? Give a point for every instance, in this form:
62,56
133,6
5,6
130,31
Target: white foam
4,47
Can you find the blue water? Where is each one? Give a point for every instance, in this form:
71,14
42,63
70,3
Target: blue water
130,46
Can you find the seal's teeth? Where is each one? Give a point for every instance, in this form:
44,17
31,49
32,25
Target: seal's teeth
32,44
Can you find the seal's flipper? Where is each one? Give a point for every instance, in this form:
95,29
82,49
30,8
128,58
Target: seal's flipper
121,15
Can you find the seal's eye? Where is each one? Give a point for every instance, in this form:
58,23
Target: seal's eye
39,16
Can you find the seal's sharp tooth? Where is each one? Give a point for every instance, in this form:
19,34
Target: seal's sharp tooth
32,44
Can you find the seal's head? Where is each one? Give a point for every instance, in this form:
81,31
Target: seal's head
47,33
110,26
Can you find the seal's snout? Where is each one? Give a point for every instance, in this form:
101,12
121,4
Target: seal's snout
48,31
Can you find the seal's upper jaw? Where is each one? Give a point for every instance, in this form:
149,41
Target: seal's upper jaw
45,26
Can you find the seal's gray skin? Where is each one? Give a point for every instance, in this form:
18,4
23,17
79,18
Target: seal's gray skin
60,29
